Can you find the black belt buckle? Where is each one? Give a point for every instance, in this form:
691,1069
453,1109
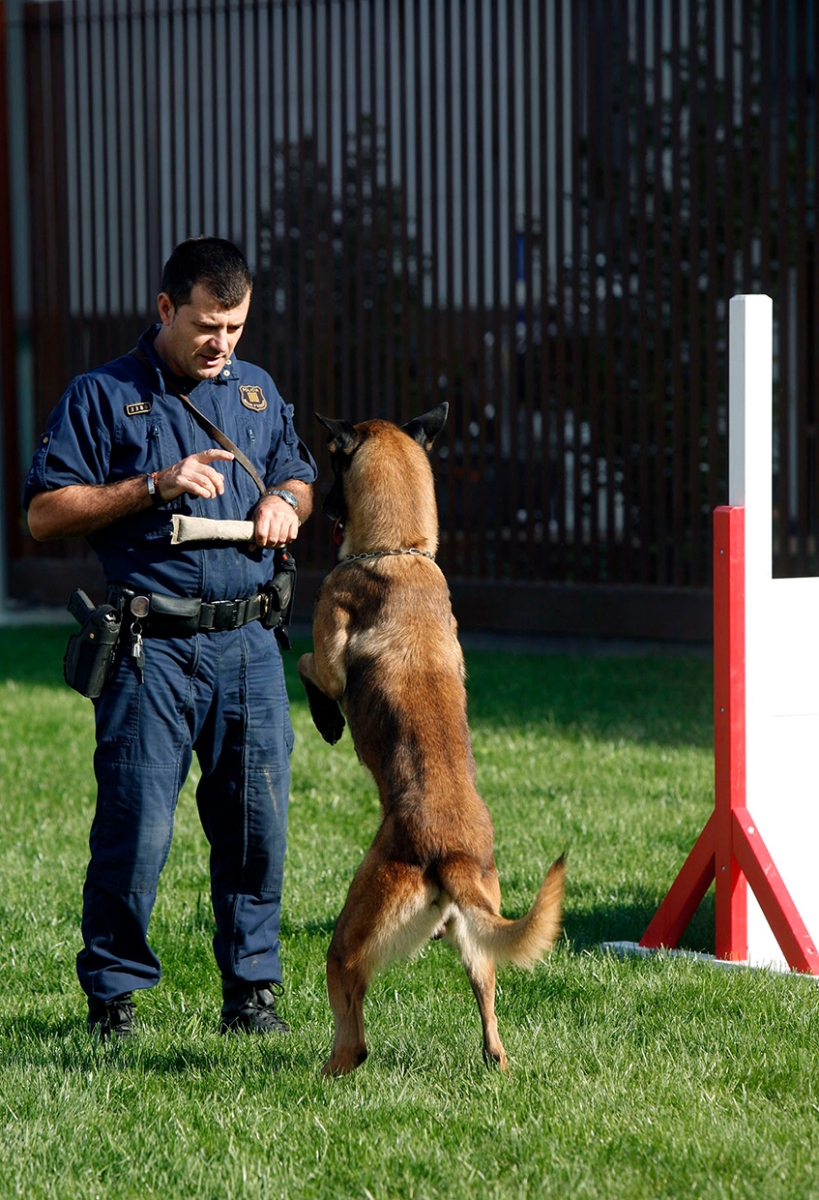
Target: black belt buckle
228,614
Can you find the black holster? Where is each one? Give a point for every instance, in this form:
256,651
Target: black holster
89,658
280,594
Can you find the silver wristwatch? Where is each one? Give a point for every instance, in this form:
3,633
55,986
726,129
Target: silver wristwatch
288,497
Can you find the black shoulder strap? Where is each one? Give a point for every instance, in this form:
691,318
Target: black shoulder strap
215,432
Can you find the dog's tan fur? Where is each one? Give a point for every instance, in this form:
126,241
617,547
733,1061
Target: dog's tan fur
386,650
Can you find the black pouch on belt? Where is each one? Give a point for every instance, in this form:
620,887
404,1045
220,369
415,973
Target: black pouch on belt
90,653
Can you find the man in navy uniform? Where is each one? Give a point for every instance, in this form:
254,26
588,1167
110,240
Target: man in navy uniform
120,455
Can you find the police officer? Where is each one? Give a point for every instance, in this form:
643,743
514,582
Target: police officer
197,671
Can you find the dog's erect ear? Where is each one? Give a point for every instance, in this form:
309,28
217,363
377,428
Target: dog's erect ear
342,434
426,428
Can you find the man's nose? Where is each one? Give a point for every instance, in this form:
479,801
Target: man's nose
219,341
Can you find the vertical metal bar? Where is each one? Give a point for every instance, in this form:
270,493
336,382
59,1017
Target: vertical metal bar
647,462
422,342
451,368
502,468
509,235
376,311
697,320
539,390
329,402
300,294
363,398
406,345
610,400
788,465
716,381
289,286
151,165
8,339
804,407
766,79
625,565
578,568
657,381
556,524
597,98
319,350
390,382
530,448
348,295
680,525
481,317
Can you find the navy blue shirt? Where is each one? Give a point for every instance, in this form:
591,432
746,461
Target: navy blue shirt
119,420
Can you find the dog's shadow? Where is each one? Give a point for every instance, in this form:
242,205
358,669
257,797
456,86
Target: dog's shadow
588,928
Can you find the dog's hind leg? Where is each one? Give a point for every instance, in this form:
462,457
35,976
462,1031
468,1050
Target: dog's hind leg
480,970
388,913
471,884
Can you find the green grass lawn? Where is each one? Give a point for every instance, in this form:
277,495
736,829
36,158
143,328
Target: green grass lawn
639,1078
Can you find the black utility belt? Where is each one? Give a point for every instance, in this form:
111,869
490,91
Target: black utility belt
181,616
129,615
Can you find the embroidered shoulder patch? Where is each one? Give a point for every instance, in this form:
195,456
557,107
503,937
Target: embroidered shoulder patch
136,410
252,397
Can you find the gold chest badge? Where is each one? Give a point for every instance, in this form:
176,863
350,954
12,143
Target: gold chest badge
252,397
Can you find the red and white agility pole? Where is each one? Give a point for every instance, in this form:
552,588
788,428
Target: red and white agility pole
763,830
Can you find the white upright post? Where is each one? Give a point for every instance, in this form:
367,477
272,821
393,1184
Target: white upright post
781,642
766,703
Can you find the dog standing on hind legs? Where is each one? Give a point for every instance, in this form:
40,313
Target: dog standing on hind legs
385,651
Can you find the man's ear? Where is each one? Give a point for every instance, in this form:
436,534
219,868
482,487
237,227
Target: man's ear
426,428
166,308
342,437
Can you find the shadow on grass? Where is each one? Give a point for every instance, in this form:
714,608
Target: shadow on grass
586,929
666,701
657,700
323,929
67,1043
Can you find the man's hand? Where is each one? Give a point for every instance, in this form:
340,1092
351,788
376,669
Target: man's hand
193,475
276,522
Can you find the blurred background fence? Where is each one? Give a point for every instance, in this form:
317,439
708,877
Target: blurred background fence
534,209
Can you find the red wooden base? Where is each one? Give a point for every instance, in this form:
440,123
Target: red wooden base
730,849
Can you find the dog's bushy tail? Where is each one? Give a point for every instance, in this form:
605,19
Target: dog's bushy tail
524,941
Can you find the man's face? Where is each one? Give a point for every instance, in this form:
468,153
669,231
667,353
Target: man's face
198,338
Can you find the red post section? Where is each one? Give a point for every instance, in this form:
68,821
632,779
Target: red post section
730,849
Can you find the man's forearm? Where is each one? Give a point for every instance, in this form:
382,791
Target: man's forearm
80,509
77,510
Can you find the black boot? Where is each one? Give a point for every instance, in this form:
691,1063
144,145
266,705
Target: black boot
251,1007
112,1018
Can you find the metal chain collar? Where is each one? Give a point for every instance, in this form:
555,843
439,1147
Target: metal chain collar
385,554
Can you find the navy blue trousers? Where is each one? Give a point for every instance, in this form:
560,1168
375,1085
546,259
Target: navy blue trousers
221,695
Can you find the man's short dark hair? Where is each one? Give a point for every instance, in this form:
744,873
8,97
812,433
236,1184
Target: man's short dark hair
218,265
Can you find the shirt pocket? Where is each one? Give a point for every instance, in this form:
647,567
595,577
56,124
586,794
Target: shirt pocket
140,447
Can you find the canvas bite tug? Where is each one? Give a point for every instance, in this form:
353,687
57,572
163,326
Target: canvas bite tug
386,656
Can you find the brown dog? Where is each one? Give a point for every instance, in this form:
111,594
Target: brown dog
386,650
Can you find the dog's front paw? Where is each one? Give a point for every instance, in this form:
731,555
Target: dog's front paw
330,722
327,716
